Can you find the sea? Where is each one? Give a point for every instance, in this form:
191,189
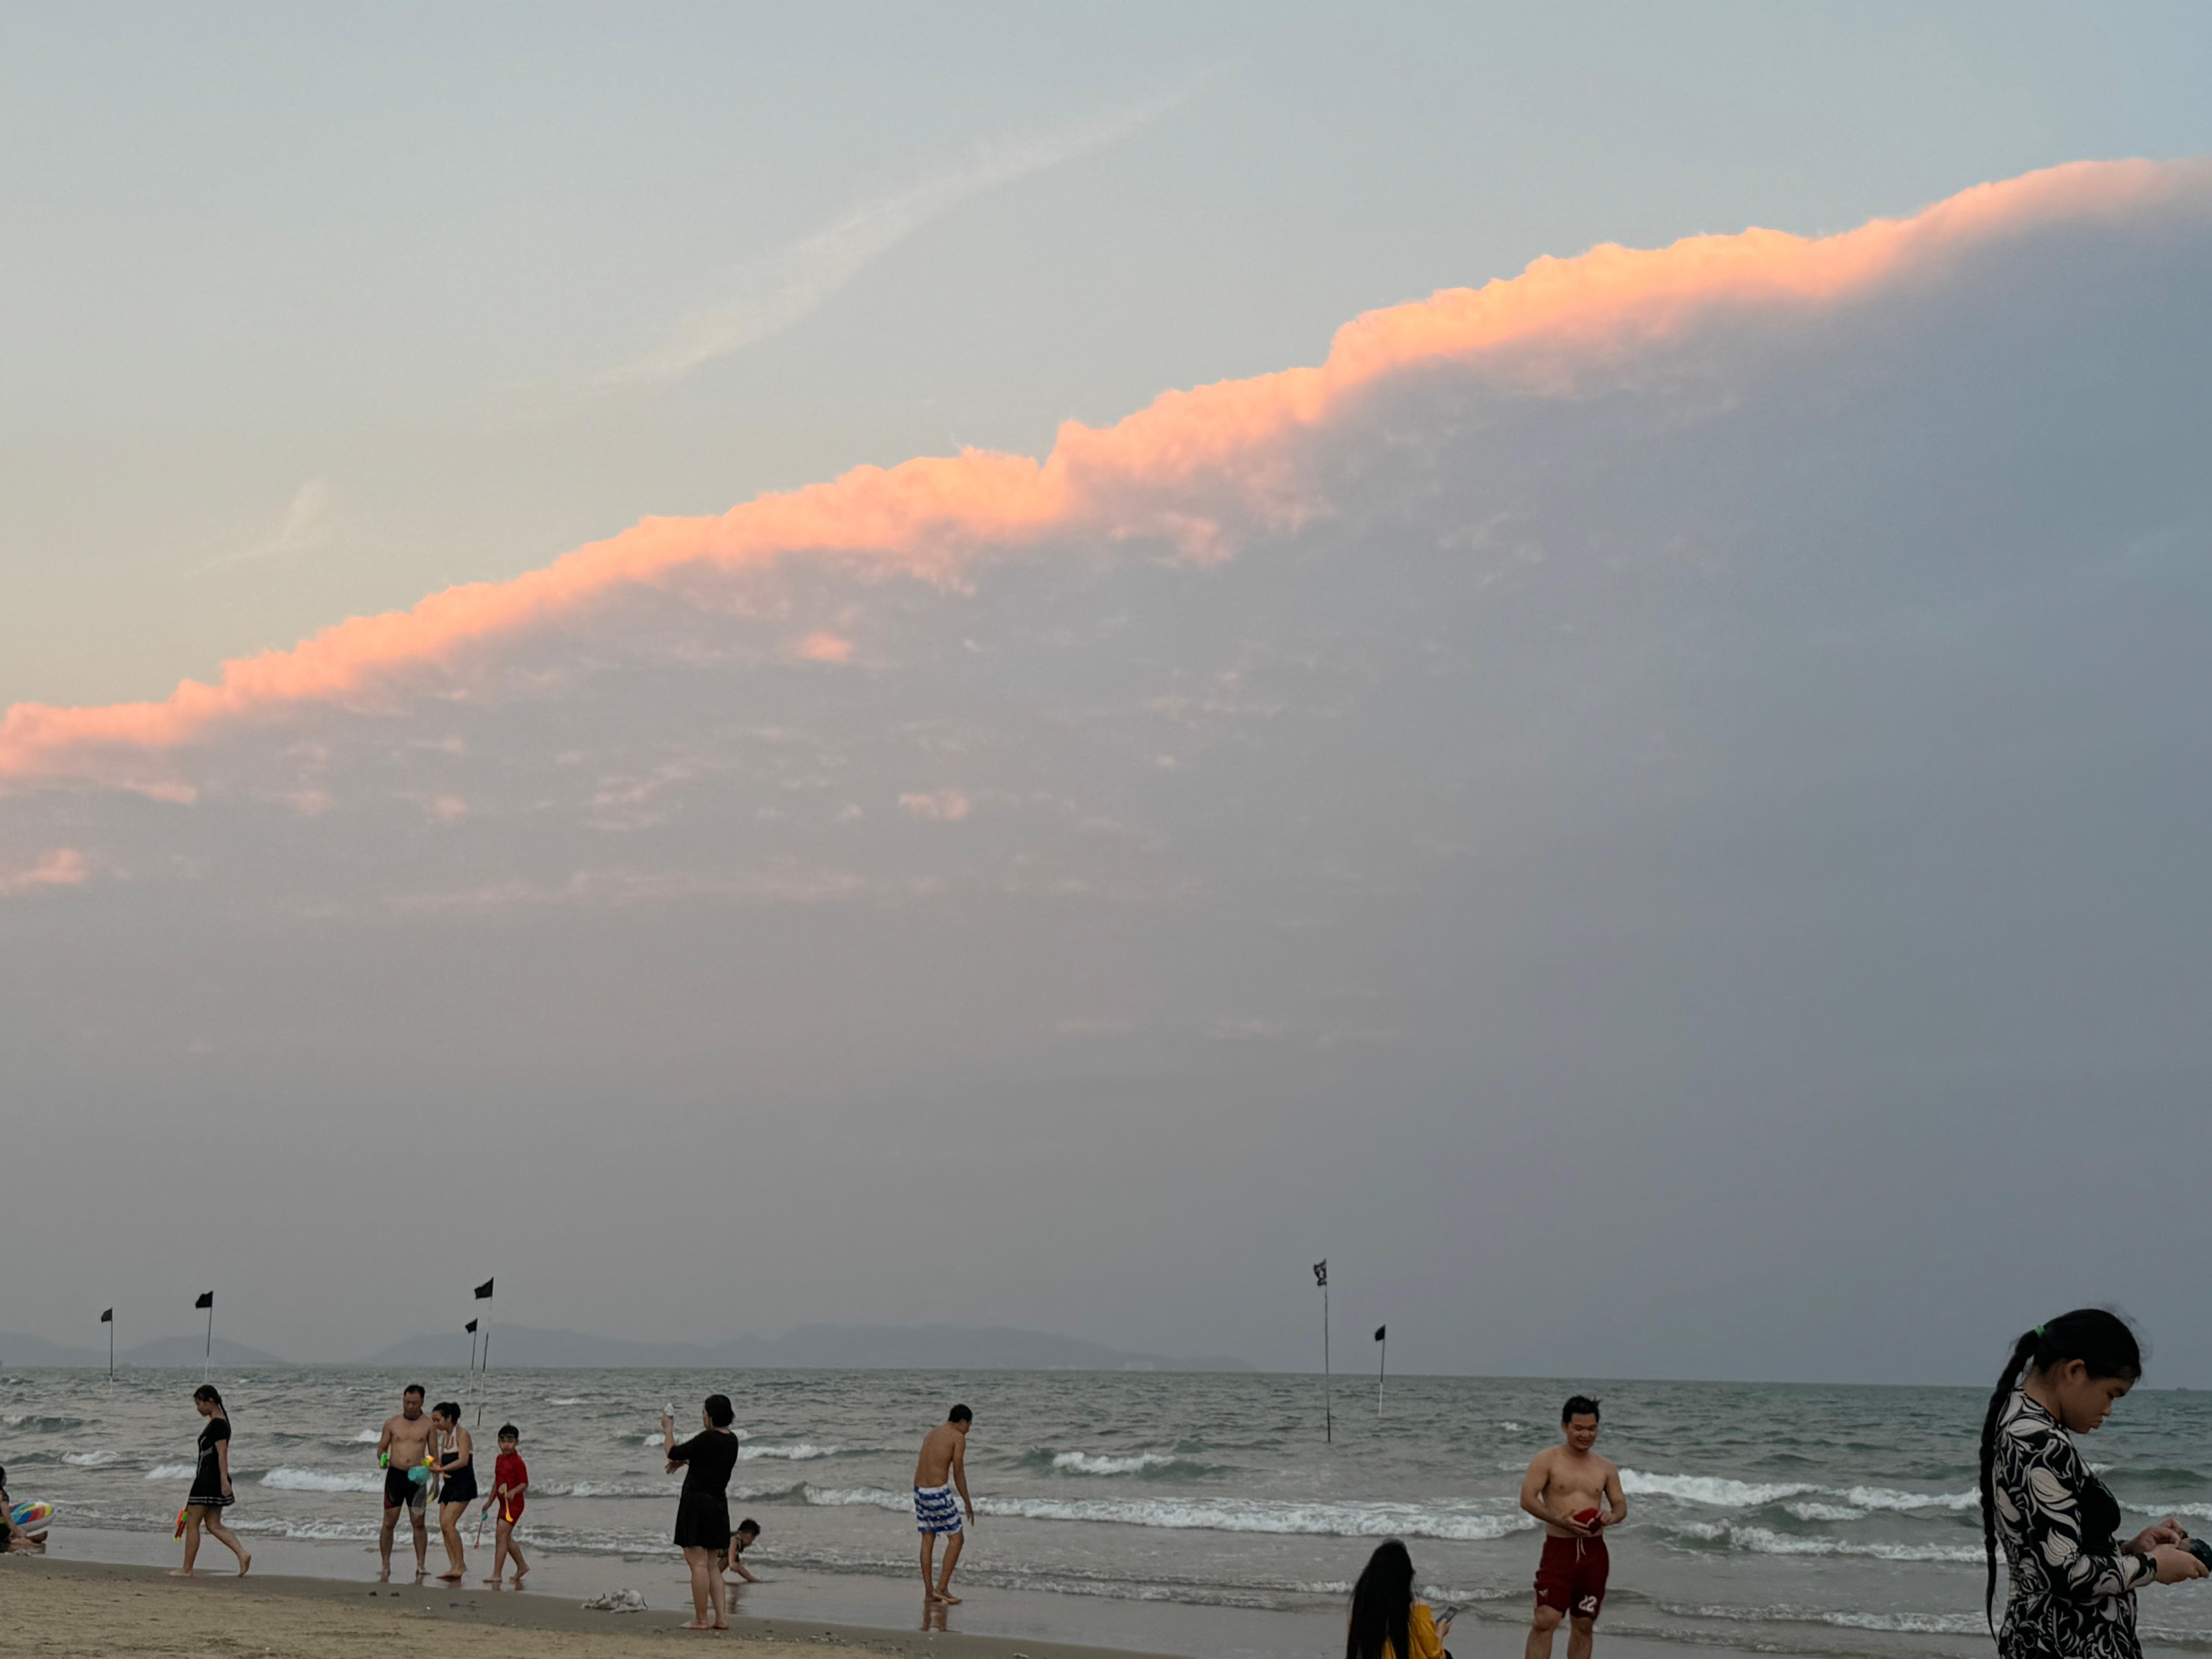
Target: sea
1219,1512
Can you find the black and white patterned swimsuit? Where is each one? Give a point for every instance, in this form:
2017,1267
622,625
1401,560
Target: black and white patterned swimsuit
2073,1593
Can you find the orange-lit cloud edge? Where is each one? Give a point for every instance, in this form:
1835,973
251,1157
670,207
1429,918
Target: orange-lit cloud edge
1166,471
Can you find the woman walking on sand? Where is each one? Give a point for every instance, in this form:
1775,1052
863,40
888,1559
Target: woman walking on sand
2073,1583
703,1513
210,1495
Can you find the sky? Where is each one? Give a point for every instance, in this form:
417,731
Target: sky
1032,668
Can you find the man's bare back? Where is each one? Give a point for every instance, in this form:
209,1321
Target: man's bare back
941,1449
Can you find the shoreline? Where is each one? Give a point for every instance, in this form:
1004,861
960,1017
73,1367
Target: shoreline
257,1612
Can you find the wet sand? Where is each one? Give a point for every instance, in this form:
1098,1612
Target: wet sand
59,1609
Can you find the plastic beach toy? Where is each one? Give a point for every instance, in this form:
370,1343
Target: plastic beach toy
31,1517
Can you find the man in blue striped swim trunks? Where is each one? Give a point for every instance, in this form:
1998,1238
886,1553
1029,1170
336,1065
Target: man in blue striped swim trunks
941,1470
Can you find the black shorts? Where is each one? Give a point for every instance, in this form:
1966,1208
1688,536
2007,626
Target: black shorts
460,1485
401,1494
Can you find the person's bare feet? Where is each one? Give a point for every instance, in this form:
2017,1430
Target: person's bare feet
243,1562
494,1582
449,1579
695,1624
182,1572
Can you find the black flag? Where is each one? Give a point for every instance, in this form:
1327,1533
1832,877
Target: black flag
1379,1329
206,1299
1321,1273
108,1318
484,1290
470,1327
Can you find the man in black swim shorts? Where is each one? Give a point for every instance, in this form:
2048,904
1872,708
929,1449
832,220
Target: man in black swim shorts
403,1448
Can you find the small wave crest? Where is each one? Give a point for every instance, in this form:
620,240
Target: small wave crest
91,1460
1076,1462
286,1480
1719,1492
32,1422
170,1471
1225,1515
801,1453
1761,1540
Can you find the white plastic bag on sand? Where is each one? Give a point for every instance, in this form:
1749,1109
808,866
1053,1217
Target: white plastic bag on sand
620,1601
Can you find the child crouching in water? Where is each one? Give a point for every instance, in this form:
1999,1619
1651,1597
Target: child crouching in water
510,1480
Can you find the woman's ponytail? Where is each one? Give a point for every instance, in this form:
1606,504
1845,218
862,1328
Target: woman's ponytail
2104,1345
2022,1351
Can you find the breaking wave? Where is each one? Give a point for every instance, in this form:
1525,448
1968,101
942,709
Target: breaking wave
1761,1540
324,1480
1225,1515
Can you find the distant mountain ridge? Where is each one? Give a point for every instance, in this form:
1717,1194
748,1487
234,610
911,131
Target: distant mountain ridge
172,1351
811,1347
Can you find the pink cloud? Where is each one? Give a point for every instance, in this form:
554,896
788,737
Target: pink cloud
64,866
1199,469
823,648
937,806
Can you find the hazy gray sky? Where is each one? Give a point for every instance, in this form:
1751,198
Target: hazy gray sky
1652,814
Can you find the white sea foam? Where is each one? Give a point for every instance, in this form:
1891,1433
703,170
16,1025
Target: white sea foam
1717,1490
1824,1512
368,1437
1225,1515
607,1488
1076,1462
1759,1541
800,1453
1917,1623
91,1460
324,1480
1887,1497
170,1471
569,1400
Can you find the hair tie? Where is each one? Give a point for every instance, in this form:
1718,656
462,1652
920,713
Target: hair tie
2040,1330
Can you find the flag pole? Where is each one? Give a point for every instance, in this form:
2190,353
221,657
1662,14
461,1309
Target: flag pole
108,1320
472,1355
1328,1401
1382,1364
483,1373
207,1354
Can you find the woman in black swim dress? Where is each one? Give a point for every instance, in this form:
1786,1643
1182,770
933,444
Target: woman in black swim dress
456,1471
210,1494
703,1513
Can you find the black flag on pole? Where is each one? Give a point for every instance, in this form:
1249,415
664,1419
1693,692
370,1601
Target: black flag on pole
108,1318
1379,1329
470,1327
1321,1272
484,1290
206,1299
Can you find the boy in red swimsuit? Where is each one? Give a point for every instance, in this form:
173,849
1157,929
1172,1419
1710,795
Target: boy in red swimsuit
510,1482
1564,1488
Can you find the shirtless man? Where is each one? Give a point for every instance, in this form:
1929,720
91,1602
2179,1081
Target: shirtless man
942,1468
401,1449
1577,1495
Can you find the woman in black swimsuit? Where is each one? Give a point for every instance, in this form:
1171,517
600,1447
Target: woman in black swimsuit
703,1513
210,1495
456,1471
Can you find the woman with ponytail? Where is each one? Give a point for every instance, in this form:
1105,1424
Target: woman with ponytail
2073,1583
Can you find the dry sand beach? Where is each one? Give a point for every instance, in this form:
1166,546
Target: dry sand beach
79,1609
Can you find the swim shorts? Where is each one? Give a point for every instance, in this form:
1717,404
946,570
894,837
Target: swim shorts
1572,1576
936,1509
459,1486
401,1494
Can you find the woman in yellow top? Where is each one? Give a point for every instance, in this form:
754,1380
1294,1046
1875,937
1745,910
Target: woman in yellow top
1387,1622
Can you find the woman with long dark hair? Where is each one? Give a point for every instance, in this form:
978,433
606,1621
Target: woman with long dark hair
2073,1583
1387,1622
210,1494
702,1512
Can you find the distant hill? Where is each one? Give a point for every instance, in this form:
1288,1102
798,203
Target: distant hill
167,1351
181,1350
811,1347
17,1350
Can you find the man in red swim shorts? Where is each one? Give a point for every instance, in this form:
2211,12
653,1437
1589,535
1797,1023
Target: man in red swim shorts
1577,1495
